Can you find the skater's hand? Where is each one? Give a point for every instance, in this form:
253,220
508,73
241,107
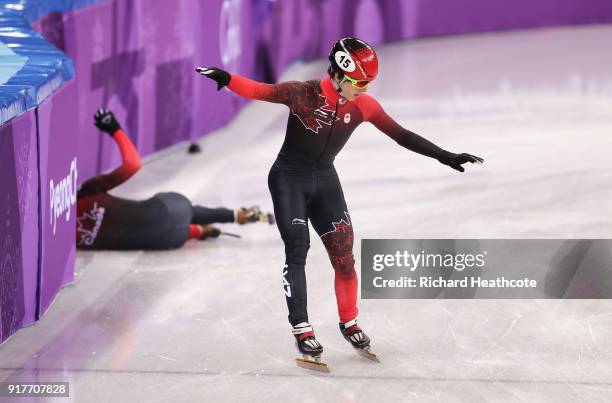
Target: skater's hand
222,77
105,121
456,160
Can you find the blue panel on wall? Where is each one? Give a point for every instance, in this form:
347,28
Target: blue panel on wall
31,68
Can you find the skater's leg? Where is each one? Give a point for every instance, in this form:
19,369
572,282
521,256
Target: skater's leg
289,201
205,215
330,218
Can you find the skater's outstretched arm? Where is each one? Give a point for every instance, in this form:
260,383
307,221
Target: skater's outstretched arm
374,113
106,122
247,88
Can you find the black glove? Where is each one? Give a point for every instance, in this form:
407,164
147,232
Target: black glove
105,121
222,77
456,160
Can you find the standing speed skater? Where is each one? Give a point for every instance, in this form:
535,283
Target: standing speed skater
304,184
164,221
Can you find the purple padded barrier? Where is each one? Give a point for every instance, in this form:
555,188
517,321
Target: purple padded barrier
132,57
286,31
450,17
58,178
18,224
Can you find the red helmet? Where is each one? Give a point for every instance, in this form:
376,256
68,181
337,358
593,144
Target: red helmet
355,58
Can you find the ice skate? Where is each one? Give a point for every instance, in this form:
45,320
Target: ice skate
309,347
208,231
253,214
358,339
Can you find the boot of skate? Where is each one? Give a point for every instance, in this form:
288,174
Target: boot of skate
354,335
306,341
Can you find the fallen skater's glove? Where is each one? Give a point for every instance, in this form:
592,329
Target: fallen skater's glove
222,77
105,121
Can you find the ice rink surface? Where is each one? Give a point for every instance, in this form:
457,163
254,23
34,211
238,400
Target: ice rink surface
207,323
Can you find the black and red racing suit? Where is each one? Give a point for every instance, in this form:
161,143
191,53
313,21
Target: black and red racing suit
304,184
164,221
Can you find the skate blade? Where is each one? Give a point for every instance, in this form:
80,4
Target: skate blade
315,365
368,353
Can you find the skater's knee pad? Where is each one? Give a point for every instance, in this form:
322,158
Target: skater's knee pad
296,251
339,245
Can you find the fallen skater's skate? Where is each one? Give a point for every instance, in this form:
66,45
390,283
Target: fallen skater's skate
254,214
